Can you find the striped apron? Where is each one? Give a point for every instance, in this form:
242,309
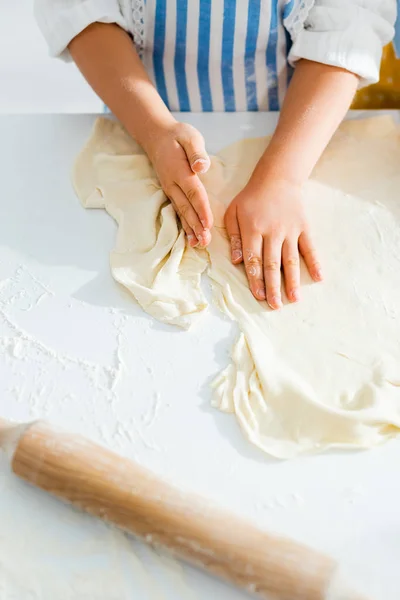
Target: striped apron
215,55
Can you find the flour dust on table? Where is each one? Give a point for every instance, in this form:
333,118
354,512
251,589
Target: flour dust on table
318,374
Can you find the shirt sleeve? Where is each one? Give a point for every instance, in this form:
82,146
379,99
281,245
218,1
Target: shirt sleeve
62,20
343,33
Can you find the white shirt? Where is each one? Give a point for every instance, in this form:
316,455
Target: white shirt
227,55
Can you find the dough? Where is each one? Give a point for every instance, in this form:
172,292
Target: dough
318,374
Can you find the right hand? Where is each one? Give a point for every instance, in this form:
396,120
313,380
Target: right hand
178,155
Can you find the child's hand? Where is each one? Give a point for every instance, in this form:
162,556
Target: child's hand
178,154
267,227
106,56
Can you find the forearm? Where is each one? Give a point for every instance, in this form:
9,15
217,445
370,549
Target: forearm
317,100
107,58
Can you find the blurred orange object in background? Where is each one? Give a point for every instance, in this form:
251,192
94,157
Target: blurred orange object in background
385,93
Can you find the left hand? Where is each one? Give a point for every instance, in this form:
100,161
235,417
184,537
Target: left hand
268,229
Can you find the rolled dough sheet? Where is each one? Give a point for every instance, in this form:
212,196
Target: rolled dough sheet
321,373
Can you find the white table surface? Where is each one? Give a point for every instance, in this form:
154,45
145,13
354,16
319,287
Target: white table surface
76,350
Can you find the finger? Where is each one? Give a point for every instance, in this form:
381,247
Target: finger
191,238
233,231
253,262
291,268
186,212
193,144
272,271
309,254
196,193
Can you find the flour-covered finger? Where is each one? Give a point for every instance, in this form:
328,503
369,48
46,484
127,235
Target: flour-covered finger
193,144
253,262
291,268
233,231
186,212
195,192
191,238
272,270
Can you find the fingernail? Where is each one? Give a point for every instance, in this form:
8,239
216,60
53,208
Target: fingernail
204,237
275,302
205,234
261,293
190,238
204,224
318,275
294,296
202,163
237,255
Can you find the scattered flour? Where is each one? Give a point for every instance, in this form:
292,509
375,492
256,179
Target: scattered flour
86,560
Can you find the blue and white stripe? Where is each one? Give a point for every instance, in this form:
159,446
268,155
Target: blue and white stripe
159,48
203,57
396,41
252,34
218,55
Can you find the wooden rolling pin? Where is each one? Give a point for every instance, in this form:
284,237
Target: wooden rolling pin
135,499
